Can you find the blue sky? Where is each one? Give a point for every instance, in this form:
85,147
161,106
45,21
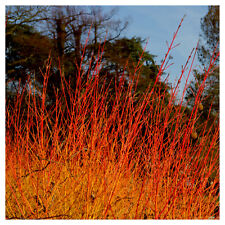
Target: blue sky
158,23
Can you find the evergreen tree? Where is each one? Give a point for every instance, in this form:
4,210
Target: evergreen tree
209,44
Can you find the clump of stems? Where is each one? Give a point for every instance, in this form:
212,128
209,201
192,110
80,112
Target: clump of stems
92,155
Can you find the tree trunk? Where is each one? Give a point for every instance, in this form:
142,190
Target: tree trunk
61,39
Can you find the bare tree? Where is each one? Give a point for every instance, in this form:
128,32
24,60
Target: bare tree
70,25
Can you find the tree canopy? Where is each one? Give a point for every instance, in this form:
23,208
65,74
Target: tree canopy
73,36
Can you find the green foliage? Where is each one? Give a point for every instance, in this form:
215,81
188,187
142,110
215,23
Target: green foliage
210,25
26,50
128,57
66,32
209,47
